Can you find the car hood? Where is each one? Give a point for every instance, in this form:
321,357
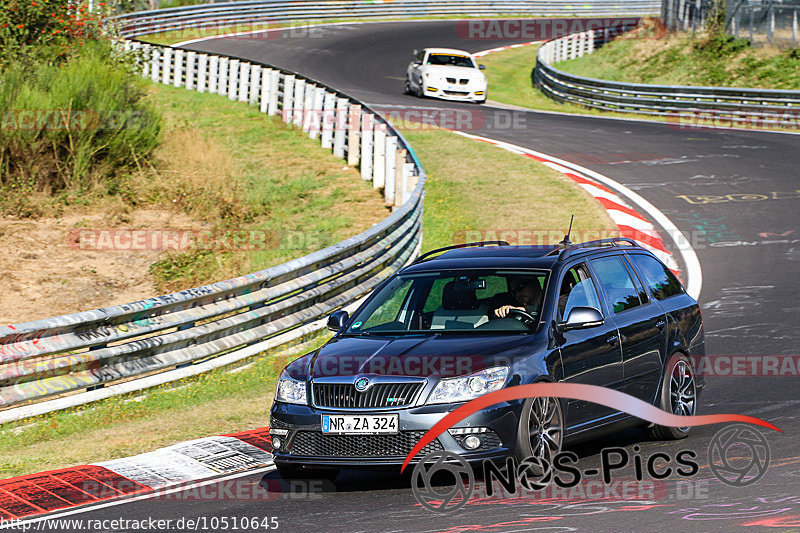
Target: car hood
453,72
440,355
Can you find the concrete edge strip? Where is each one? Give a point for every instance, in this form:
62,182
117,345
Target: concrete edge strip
631,224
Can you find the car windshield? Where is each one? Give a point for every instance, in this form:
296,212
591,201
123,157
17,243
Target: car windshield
454,301
450,59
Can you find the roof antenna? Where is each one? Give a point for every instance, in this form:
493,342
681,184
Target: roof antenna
566,241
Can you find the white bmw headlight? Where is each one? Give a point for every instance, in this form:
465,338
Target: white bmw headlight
462,389
290,390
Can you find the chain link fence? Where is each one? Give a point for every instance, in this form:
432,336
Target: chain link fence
763,22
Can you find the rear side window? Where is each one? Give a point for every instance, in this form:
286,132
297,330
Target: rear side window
658,277
617,283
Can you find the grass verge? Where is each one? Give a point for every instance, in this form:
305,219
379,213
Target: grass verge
650,55
241,171
494,194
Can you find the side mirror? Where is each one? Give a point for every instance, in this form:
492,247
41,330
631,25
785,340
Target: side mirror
416,62
337,320
582,318
482,67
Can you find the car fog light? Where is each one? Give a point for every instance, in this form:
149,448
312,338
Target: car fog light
276,442
472,442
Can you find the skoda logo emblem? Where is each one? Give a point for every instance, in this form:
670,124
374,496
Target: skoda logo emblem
362,384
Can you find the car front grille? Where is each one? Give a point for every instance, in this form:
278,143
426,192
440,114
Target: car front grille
316,444
462,81
345,395
456,93
451,80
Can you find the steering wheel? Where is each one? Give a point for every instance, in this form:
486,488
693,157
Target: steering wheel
523,316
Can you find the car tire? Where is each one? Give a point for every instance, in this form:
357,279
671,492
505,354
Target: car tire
407,89
289,472
677,395
536,430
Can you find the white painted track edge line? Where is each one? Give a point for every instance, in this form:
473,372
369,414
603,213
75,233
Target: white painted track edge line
693,271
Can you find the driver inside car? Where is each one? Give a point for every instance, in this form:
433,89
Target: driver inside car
524,294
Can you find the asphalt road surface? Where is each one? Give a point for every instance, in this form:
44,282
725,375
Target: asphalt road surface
733,193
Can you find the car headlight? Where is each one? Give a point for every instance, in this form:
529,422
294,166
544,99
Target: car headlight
462,389
290,390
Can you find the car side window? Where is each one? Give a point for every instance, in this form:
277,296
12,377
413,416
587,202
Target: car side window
658,277
638,282
621,294
421,56
577,290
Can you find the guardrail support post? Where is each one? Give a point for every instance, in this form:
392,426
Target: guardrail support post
314,115
177,70
379,153
367,124
233,79
266,93
399,166
213,72
327,120
390,157
313,96
244,82
222,77
794,24
340,125
191,62
353,135
408,170
274,87
299,102
255,85
288,98
154,62
166,61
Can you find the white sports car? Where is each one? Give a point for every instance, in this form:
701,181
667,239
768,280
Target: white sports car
446,73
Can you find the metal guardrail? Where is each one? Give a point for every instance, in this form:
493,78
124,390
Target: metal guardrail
86,350
685,103
265,12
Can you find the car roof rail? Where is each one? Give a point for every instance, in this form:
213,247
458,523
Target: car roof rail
599,243
478,244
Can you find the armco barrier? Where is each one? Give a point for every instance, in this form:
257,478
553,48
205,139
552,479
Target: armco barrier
733,106
243,315
266,12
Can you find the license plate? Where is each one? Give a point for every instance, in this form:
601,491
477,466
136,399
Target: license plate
359,424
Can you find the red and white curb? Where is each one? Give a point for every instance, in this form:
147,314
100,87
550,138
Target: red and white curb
501,48
629,221
175,466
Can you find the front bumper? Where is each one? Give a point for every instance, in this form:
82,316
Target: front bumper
459,94
305,444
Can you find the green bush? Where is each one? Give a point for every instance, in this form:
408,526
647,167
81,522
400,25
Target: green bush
72,126
45,30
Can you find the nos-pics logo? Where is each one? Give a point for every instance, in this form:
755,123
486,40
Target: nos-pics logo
444,481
